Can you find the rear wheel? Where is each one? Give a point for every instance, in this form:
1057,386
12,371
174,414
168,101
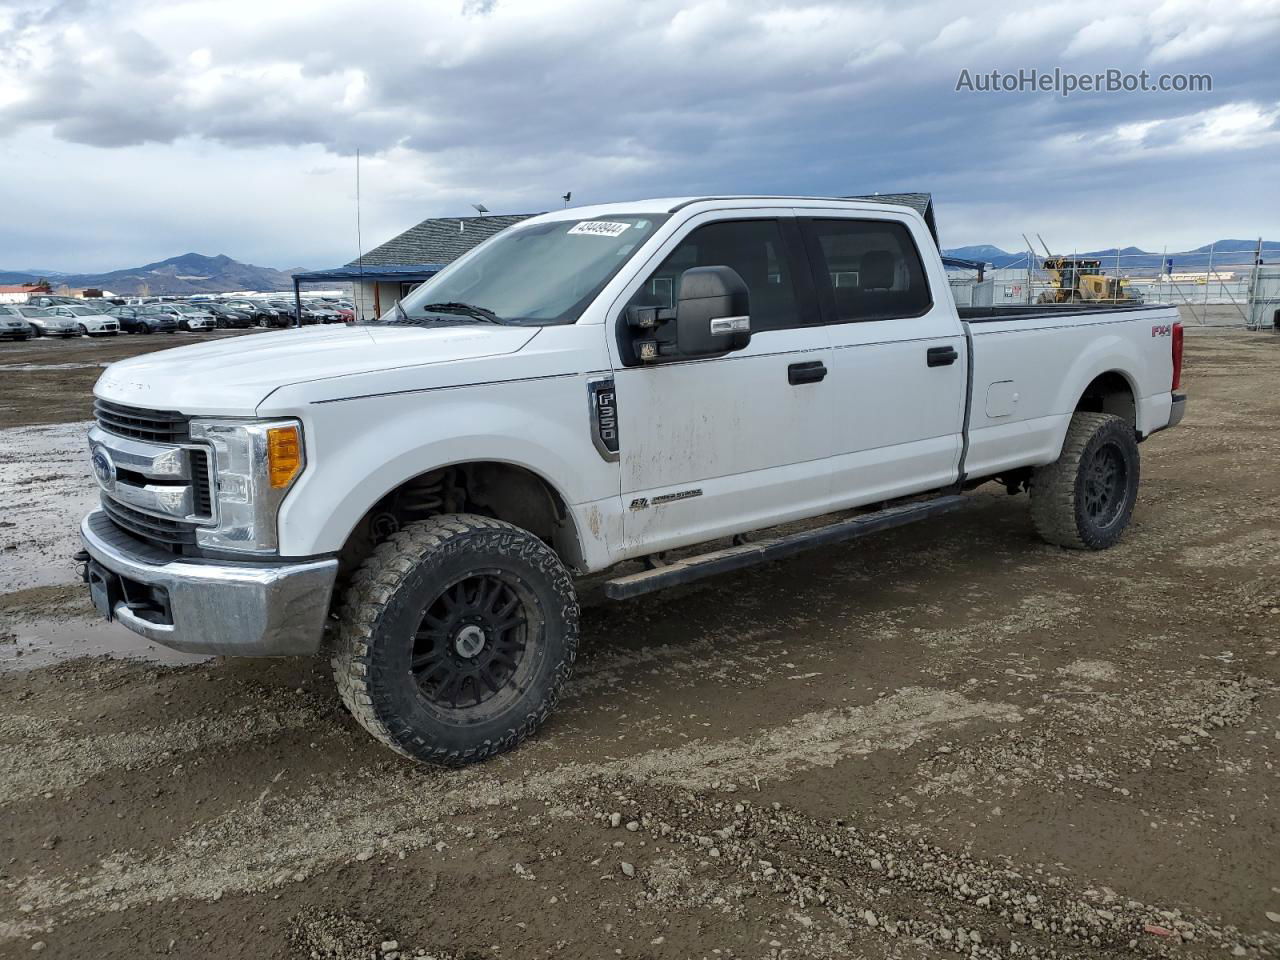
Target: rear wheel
457,635
1084,500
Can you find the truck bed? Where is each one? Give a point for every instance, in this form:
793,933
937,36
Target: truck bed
1041,310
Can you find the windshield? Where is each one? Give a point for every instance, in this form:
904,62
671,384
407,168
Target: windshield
183,308
84,311
34,311
538,274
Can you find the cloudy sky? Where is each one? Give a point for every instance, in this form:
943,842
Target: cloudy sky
135,130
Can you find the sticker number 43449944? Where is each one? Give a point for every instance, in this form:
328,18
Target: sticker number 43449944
598,228
1162,330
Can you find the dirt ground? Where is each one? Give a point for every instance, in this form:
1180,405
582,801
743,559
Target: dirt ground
947,740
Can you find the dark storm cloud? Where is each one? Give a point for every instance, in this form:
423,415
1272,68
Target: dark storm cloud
616,100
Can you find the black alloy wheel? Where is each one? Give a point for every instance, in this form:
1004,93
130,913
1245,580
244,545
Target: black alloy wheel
1106,486
472,639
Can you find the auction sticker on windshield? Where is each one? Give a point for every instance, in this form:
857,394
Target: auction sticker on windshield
598,228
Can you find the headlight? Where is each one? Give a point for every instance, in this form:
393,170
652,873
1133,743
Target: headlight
255,464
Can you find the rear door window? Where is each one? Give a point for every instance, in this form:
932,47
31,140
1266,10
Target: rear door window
866,270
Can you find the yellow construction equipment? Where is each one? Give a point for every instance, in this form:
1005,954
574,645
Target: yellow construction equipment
1075,280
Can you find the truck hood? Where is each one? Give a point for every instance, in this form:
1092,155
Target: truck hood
232,377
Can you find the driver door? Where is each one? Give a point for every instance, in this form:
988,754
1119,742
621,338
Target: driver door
714,445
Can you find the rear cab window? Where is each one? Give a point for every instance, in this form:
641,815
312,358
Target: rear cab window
866,269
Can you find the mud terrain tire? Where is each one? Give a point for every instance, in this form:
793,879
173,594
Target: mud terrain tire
1084,500
439,597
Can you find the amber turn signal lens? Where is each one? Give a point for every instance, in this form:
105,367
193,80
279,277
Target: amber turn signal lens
284,455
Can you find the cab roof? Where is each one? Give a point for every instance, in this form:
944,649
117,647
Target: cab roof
920,203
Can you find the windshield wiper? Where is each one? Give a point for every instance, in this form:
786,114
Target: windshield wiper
465,309
404,318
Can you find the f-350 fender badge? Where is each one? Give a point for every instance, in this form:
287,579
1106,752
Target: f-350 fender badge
603,404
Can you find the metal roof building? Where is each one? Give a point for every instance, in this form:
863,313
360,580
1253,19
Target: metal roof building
388,272
438,240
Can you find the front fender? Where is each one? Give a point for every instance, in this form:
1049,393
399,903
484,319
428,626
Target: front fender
368,446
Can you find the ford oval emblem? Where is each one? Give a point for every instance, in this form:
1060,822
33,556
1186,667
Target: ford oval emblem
103,468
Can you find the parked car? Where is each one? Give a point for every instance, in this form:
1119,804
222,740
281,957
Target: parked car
327,312
682,373
13,326
48,324
262,313
50,300
289,308
89,321
227,318
187,317
137,320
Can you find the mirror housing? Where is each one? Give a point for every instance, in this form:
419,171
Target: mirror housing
713,312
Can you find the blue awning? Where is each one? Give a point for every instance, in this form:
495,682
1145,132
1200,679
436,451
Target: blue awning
403,272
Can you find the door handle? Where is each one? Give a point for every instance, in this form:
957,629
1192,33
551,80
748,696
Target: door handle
810,372
941,356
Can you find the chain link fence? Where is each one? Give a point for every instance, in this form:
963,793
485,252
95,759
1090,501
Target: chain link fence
1213,287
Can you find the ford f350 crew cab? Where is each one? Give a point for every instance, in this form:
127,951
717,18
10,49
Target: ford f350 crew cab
415,496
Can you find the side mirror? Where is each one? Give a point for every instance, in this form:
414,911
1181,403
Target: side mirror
713,312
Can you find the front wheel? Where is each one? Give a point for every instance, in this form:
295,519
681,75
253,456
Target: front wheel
456,637
1084,500
82,330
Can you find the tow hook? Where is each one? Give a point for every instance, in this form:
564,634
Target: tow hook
82,557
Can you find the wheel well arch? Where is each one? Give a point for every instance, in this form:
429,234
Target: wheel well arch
494,488
1110,392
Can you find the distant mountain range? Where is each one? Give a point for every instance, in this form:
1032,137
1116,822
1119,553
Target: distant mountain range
1224,253
196,273
189,273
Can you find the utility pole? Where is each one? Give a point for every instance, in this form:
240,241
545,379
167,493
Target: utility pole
1253,287
359,243
1164,267
1204,317
1030,257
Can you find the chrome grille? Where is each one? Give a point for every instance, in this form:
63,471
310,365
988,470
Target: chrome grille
158,426
173,535
158,486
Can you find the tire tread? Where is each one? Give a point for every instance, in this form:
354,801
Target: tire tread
1053,487
370,589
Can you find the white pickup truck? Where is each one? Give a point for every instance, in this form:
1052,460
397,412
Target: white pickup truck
415,496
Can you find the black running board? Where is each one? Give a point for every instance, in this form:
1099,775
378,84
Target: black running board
776,548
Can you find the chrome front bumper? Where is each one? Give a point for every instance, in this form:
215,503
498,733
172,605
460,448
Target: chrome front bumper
229,609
